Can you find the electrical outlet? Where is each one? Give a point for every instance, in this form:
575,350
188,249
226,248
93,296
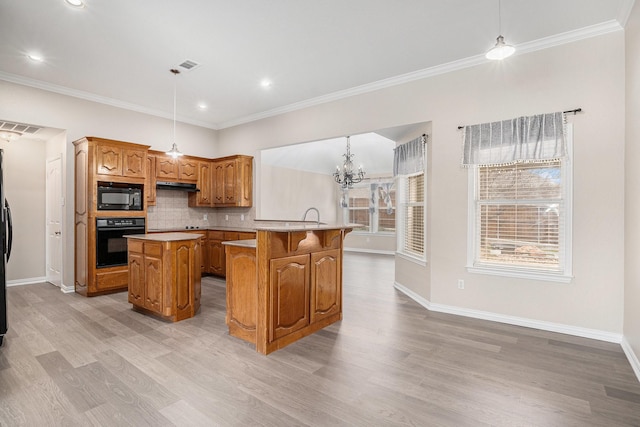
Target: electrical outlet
241,217
226,217
460,284
204,217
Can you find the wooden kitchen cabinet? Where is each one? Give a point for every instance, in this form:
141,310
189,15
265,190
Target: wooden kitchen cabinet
241,292
150,181
117,160
216,250
233,181
164,272
166,168
181,169
304,289
203,182
285,286
326,289
99,159
289,291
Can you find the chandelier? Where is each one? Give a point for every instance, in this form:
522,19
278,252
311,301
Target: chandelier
346,176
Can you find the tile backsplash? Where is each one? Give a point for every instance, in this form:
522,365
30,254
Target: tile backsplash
172,212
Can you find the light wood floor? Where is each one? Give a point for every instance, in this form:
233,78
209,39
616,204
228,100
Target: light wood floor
71,360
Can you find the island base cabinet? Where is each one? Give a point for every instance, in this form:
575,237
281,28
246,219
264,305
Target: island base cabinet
241,292
289,292
164,278
326,288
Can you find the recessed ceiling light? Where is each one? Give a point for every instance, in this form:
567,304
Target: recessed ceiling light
266,83
202,106
35,57
75,3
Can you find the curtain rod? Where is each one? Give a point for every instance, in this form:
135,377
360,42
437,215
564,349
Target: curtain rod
574,111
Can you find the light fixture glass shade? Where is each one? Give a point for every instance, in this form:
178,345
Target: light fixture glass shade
174,152
501,50
9,135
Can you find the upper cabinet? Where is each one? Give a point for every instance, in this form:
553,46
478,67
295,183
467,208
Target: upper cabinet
232,181
150,182
182,169
120,159
203,182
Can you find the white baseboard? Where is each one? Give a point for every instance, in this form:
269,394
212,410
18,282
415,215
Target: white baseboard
512,320
27,281
369,251
67,289
631,356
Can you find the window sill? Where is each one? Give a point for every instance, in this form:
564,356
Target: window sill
521,274
413,259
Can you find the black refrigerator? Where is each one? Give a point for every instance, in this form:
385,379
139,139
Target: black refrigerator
6,238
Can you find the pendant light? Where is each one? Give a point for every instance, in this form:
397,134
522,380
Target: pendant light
174,152
501,50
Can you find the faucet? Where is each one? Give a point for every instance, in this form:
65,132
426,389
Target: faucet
304,217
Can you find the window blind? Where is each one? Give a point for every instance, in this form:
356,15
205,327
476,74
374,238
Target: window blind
520,215
413,215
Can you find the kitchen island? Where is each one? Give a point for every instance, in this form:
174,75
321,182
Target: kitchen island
286,284
164,274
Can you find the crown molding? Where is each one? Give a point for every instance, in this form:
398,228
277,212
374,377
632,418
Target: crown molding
87,96
625,11
523,48
544,43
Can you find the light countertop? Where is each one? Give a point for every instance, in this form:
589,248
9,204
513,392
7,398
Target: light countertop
204,228
165,237
251,243
286,227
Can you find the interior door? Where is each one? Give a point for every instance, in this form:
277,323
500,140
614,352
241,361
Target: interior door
54,205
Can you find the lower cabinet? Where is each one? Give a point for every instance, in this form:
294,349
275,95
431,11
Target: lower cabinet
164,277
242,292
304,289
215,250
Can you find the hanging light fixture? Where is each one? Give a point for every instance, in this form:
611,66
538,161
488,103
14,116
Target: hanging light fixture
346,176
501,50
9,135
174,152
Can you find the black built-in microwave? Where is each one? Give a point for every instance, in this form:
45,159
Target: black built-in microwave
118,196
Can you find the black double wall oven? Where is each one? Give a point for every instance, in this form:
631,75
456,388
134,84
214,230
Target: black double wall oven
111,246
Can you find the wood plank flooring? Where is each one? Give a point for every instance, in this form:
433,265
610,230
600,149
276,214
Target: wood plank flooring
70,360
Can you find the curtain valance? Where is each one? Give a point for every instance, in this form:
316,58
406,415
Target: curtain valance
409,158
536,138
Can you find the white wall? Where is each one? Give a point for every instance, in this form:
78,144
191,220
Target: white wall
287,193
632,185
85,118
24,180
587,74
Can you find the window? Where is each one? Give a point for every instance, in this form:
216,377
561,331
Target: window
372,205
519,220
411,218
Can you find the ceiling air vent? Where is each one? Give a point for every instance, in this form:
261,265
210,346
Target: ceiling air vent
19,127
188,65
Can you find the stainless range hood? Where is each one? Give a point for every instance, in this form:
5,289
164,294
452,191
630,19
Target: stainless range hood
180,186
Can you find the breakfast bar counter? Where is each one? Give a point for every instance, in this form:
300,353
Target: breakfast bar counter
285,284
164,274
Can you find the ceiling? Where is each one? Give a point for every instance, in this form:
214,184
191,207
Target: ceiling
119,52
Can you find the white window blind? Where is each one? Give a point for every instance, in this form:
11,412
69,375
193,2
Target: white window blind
413,216
520,215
